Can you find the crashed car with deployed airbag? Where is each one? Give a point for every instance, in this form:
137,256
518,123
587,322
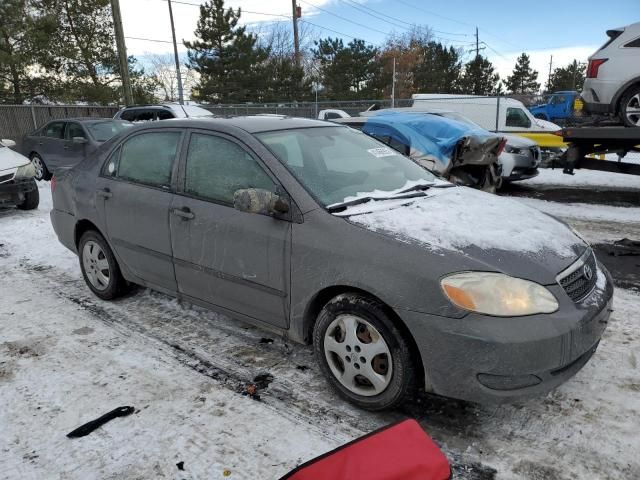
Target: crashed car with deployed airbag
319,232
457,151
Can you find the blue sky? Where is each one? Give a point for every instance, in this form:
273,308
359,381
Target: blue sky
566,30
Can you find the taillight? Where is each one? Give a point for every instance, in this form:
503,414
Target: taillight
594,65
53,184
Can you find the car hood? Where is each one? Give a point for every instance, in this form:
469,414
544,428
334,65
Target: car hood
10,159
518,141
494,233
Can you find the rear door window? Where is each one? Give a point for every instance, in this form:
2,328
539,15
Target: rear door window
55,130
633,43
217,167
516,117
147,159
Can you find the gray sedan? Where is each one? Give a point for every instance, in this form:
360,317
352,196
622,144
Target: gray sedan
63,143
327,236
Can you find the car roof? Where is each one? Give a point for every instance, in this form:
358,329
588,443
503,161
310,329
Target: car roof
251,124
84,119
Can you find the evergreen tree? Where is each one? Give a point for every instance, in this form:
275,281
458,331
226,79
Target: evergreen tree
479,77
524,78
25,28
438,70
347,72
570,77
229,61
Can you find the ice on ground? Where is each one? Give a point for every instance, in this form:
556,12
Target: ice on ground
456,218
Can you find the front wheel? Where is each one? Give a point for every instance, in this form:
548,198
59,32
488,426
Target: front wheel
364,356
42,172
630,107
99,266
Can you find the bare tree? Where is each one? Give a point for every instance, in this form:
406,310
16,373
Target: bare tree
163,69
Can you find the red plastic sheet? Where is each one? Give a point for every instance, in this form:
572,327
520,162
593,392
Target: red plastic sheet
402,451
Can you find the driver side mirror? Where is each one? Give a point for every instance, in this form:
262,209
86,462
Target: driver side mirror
8,143
258,200
79,140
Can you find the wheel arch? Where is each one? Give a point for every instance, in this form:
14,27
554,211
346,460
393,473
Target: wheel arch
83,226
617,99
321,298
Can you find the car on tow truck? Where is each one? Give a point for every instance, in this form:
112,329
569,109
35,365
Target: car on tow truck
327,236
17,184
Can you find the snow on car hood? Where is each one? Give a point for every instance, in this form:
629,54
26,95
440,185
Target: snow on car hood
460,218
10,159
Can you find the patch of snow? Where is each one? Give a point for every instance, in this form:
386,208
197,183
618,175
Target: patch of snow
386,194
456,218
585,211
592,178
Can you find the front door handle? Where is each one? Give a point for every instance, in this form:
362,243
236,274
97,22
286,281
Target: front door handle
105,193
183,212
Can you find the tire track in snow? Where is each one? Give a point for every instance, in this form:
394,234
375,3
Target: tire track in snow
230,352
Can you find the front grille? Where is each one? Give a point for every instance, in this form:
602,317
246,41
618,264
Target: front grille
535,153
580,278
5,178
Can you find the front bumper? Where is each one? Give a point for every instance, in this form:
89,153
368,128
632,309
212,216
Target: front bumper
487,359
15,189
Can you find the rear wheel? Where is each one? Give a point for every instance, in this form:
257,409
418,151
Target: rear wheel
362,353
42,173
99,266
630,107
31,199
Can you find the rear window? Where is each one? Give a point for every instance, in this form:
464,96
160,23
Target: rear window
103,131
612,34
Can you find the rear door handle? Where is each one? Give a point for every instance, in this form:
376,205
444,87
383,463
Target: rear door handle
183,212
105,193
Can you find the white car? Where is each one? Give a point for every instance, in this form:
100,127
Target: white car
17,185
612,85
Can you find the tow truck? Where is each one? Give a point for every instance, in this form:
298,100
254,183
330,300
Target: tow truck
584,142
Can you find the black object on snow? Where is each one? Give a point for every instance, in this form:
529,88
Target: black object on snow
89,427
180,465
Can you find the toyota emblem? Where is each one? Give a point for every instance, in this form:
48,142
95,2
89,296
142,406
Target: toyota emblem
588,272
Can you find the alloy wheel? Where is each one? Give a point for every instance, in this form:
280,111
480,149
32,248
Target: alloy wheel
358,355
632,110
96,265
39,167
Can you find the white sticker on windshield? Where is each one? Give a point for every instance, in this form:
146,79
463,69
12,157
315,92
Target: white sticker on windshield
382,152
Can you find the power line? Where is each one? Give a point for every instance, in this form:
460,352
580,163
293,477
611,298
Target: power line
343,18
328,29
149,40
362,8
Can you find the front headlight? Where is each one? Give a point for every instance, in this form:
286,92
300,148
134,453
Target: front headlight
26,171
497,294
509,149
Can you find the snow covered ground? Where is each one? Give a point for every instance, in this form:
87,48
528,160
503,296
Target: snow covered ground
66,358
549,176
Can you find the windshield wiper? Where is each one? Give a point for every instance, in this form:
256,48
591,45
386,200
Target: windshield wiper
410,193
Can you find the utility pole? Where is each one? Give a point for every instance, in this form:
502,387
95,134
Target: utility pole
393,85
477,44
175,54
122,52
296,40
549,77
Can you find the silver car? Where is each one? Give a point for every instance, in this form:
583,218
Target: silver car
66,142
327,236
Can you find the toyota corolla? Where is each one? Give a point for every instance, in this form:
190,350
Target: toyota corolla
321,233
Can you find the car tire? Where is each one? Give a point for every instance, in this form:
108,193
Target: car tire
386,373
31,199
630,100
42,172
99,266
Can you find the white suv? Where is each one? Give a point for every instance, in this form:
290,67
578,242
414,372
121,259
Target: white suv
612,85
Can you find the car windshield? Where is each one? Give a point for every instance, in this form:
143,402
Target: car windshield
193,111
103,131
337,164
